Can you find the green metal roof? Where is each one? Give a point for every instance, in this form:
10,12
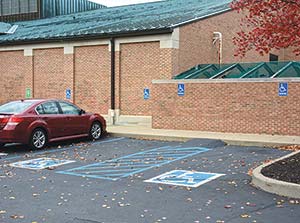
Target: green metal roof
4,27
243,70
147,17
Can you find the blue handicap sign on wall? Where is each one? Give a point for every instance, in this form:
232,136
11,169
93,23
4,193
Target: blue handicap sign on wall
68,94
181,89
184,178
40,163
146,93
283,89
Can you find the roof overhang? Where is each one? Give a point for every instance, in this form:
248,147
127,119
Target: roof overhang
89,37
201,18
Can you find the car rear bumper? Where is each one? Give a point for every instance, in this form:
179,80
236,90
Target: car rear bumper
7,136
10,134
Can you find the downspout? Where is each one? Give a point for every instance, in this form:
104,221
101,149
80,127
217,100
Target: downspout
219,36
113,75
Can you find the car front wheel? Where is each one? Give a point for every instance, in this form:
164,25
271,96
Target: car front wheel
95,131
38,139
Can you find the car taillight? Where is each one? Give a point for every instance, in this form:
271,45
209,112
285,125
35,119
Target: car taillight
3,122
15,120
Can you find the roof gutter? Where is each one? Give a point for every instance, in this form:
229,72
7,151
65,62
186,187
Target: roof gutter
89,37
200,18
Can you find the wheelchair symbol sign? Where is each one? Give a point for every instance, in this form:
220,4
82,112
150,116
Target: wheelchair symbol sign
146,93
68,94
180,90
283,89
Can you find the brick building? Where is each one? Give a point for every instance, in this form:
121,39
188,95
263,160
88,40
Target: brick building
107,57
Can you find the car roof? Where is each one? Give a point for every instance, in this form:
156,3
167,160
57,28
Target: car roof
36,100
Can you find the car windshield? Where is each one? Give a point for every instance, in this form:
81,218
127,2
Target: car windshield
15,107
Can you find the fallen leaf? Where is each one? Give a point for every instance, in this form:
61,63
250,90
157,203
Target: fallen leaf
245,216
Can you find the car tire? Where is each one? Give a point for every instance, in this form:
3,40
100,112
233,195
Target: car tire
95,131
2,145
38,139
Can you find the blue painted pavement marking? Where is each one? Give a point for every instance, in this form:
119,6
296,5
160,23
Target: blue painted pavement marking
184,178
125,166
40,163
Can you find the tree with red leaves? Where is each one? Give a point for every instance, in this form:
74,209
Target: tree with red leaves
273,24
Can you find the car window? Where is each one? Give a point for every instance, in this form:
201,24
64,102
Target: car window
40,110
15,107
69,109
50,108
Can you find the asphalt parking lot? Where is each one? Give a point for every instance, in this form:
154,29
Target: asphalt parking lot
108,181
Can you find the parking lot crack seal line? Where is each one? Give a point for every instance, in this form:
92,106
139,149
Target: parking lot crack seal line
252,211
86,220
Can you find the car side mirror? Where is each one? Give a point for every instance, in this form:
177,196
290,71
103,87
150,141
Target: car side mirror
81,112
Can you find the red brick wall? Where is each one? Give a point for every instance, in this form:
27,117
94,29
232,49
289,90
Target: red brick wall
15,75
140,63
288,55
237,107
196,42
50,81
92,78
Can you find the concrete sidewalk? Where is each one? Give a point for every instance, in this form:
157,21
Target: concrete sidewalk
145,132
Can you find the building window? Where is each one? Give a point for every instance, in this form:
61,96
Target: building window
273,57
24,7
32,5
5,7
14,7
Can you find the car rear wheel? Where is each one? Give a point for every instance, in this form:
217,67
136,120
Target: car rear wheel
38,139
95,131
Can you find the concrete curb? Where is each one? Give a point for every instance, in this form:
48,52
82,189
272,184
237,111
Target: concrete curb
150,137
164,137
275,186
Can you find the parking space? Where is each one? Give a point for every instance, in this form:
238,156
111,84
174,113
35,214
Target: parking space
118,180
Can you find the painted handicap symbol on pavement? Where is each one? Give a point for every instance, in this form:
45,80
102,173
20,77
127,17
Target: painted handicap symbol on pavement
40,163
184,178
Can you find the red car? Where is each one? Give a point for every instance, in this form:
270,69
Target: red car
37,122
